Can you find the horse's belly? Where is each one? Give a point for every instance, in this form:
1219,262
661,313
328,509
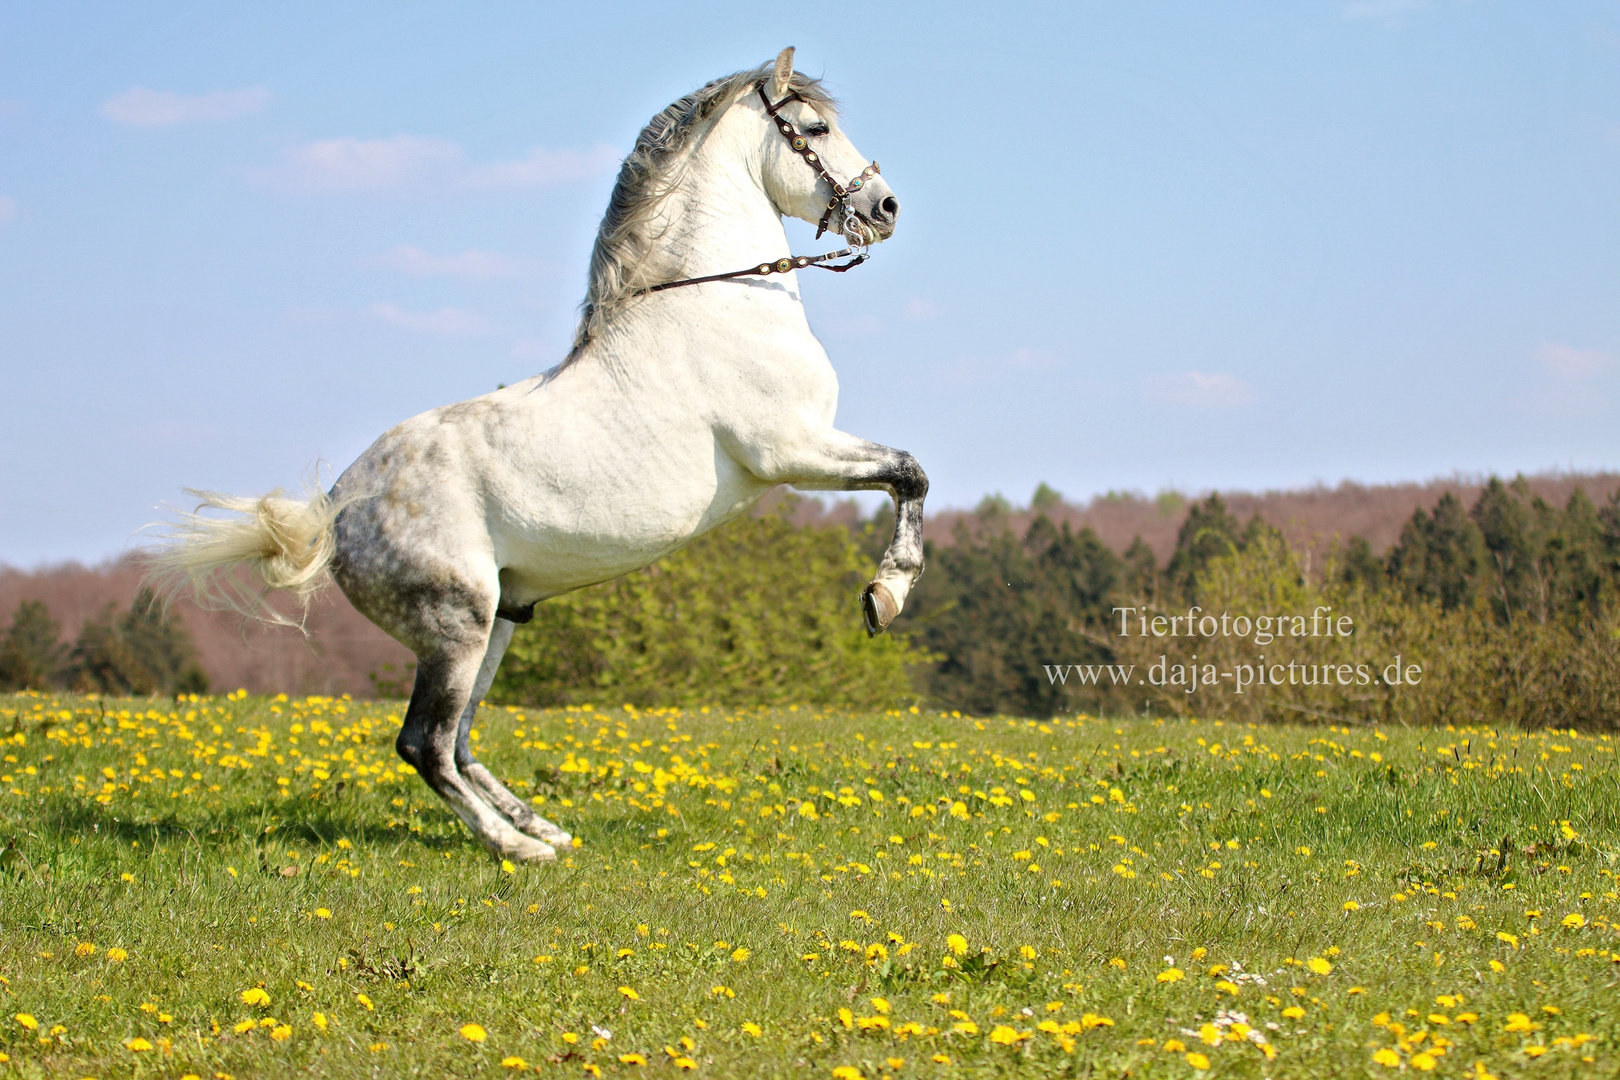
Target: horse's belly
551,542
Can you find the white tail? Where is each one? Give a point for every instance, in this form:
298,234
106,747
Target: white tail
286,541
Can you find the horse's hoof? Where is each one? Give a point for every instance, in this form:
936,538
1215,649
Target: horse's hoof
879,607
526,849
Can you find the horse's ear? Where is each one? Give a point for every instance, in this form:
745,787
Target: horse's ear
783,73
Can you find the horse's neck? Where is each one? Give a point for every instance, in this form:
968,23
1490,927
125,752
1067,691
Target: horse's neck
718,218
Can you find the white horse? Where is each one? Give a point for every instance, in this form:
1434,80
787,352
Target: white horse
677,408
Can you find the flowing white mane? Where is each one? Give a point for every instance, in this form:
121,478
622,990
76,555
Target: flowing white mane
649,174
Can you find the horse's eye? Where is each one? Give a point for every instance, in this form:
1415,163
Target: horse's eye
816,131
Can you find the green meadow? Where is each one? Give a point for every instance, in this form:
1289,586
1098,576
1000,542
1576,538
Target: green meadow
244,887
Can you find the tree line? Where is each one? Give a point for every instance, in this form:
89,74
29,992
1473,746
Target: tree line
1511,607
143,649
1513,603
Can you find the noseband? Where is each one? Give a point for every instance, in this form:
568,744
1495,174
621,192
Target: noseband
849,222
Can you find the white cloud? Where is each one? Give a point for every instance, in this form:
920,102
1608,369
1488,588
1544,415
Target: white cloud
364,164
1380,9
1200,390
535,349
921,310
414,262
421,162
1564,362
447,321
543,167
140,107
8,208
1575,385
968,370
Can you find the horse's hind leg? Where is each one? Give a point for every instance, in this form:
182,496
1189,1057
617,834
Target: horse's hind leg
482,780
428,738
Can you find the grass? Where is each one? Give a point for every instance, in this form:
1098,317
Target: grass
252,887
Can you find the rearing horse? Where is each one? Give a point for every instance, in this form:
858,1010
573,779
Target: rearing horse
691,390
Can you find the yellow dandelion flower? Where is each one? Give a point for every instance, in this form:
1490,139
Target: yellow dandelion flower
1170,975
117,956
880,1005
942,1059
592,1070
139,1045
751,1028
1197,1060
1005,1036
629,993
255,996
1574,920
473,1033
1510,940
27,1020
508,866
739,954
366,1001
1386,1057
323,913
1351,905
319,1020
281,1032
846,1072
1117,962
1320,965
632,1059
513,1062
965,1027
1424,1061
957,944
1174,1046
242,1027
685,1063
84,948
1209,1034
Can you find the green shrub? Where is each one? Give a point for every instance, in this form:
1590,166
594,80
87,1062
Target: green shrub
757,612
1476,668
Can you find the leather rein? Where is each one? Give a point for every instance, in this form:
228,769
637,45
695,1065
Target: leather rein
839,201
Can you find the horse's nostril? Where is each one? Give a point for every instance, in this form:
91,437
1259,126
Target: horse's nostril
889,208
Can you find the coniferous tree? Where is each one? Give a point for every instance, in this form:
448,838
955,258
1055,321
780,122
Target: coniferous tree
145,650
1209,532
1440,556
31,653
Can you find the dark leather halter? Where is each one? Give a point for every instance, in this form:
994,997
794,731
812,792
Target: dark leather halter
839,202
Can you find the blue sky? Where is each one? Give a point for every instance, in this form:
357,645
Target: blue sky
1234,245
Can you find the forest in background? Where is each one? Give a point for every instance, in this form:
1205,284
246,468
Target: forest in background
765,610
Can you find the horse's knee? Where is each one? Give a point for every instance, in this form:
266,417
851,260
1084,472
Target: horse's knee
909,480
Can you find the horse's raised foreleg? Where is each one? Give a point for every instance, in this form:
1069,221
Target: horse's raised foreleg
842,462
428,738
472,770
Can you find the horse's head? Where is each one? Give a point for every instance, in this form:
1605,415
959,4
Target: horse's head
811,169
